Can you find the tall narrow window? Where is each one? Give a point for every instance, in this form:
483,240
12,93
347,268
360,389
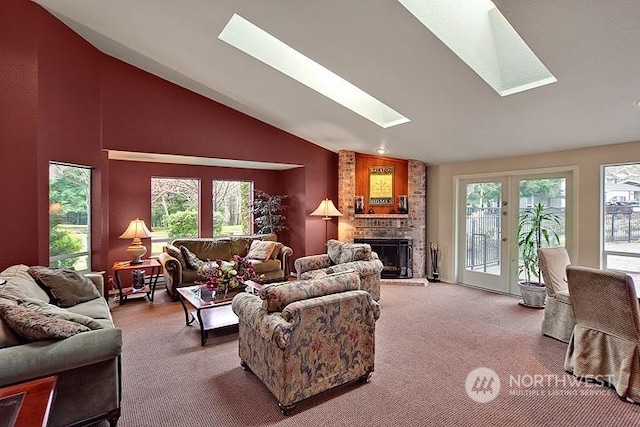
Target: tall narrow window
69,216
621,217
231,207
174,210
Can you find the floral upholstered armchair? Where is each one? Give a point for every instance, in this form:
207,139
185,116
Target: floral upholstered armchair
340,257
302,338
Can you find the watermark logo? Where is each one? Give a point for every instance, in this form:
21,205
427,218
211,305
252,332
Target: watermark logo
482,385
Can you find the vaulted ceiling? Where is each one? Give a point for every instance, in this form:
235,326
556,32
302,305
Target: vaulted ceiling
590,46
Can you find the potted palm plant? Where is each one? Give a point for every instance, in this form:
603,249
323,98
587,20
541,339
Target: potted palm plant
534,230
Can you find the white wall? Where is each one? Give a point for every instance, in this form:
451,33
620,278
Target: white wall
587,162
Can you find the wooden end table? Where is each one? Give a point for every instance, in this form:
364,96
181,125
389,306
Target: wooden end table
28,403
149,289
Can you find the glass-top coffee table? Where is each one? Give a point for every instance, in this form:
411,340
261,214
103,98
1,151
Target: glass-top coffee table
211,313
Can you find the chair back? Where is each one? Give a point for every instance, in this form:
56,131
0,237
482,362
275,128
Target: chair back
605,300
553,263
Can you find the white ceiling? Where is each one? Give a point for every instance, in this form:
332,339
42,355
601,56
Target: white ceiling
591,46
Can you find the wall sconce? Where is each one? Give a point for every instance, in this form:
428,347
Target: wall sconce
137,229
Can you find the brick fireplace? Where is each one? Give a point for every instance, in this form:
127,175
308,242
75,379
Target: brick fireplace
410,226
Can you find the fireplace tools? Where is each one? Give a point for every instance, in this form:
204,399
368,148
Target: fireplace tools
434,253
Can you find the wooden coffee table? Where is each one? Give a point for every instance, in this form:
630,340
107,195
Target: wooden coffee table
210,315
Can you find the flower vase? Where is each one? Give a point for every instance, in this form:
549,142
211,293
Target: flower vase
206,294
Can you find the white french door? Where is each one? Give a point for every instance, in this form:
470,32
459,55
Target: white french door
488,212
482,233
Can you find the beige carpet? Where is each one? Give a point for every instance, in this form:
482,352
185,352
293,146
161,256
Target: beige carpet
428,339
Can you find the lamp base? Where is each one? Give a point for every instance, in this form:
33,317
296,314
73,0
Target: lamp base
136,251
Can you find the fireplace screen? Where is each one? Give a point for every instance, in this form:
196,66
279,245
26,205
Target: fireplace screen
395,254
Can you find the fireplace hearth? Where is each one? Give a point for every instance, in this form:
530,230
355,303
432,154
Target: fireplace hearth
396,256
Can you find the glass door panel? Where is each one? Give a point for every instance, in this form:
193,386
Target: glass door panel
621,217
481,255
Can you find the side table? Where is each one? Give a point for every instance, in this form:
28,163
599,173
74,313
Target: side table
28,403
151,264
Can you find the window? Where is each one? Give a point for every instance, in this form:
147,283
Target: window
69,216
621,217
174,210
231,207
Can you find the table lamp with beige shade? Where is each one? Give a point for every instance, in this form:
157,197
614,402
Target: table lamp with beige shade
136,230
327,210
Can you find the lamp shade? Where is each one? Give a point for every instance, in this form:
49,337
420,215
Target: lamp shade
327,209
136,229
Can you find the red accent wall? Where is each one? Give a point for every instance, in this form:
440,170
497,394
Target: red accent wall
63,100
18,132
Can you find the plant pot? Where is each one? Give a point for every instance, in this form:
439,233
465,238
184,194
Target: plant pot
533,294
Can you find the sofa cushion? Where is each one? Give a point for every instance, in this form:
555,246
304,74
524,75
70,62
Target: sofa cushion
176,253
67,286
276,297
20,284
191,260
207,249
355,252
265,266
34,326
277,250
334,249
240,246
340,252
261,249
60,313
7,337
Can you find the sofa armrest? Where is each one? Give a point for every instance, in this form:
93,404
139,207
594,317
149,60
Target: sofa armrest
171,270
37,359
311,262
285,253
98,280
271,326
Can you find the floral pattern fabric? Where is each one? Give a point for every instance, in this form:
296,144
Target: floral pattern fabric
279,296
314,266
314,344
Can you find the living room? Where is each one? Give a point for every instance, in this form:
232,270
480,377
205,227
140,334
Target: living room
66,101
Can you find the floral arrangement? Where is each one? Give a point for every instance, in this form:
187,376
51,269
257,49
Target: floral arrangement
223,275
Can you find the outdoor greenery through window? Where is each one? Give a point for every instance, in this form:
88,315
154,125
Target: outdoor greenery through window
231,207
621,222
69,216
174,210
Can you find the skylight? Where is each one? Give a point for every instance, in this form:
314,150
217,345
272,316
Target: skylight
481,36
256,42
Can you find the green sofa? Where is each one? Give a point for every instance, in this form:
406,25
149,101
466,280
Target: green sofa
87,364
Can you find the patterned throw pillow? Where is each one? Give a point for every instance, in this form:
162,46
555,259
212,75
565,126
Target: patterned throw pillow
334,248
261,250
176,253
191,260
34,326
355,252
67,286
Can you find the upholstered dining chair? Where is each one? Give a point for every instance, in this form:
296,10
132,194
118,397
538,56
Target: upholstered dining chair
605,345
558,320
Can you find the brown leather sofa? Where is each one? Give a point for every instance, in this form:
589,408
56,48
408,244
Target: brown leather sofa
177,274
